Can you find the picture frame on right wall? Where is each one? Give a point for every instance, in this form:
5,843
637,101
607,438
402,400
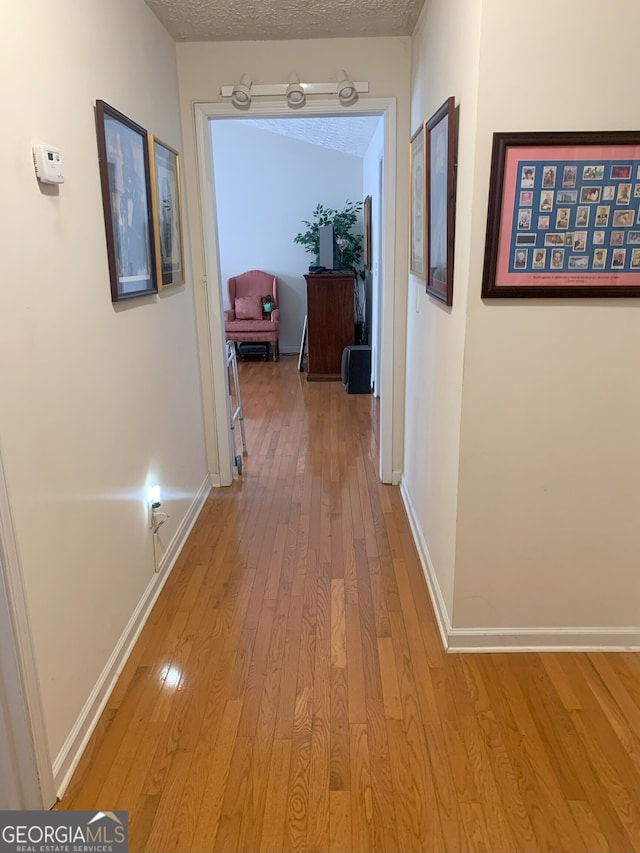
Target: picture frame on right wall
417,258
368,257
440,157
564,215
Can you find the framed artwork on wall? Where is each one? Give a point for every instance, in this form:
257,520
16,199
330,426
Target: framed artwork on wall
564,215
126,200
417,204
440,156
367,232
167,213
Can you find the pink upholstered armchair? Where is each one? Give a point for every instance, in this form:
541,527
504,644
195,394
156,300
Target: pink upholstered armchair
245,319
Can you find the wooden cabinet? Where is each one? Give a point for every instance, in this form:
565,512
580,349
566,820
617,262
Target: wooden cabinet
329,323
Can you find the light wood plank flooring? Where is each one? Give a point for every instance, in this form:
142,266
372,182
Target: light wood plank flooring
290,692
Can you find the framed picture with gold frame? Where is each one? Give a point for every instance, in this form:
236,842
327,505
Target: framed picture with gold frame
417,203
167,213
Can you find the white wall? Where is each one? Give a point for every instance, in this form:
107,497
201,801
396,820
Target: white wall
203,68
522,464
550,449
445,52
96,399
265,185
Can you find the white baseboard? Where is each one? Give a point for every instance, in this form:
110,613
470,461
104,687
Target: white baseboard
440,608
67,759
396,478
215,481
544,640
511,639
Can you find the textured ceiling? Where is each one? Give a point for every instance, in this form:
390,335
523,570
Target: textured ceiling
349,134
261,20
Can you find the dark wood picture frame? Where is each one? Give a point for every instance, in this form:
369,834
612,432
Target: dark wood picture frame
166,202
126,200
564,215
417,256
367,232
440,156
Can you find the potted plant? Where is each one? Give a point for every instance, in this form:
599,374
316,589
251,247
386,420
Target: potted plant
349,244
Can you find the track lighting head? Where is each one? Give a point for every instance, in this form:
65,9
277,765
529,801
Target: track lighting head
241,95
347,93
295,93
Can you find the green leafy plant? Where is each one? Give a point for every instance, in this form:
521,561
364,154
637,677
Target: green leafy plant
349,244
343,221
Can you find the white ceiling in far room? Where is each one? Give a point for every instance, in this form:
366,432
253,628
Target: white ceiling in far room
348,134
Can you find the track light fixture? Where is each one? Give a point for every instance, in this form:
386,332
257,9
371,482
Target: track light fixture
241,95
346,90
295,93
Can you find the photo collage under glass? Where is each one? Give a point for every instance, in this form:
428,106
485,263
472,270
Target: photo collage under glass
576,215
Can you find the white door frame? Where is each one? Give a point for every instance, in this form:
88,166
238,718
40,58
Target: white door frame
378,263
30,773
215,372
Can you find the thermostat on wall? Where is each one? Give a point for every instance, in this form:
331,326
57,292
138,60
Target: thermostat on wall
48,163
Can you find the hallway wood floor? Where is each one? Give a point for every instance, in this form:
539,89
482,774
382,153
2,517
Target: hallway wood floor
290,693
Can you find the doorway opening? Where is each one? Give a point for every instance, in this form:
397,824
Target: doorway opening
270,177
214,371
